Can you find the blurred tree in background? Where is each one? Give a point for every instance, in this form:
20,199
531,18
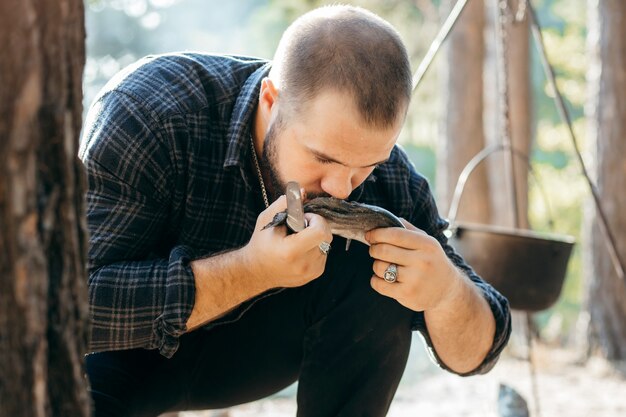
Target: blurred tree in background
43,233
607,109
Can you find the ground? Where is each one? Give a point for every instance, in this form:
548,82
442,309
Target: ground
567,387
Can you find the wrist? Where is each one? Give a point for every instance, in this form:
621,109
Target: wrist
252,269
455,292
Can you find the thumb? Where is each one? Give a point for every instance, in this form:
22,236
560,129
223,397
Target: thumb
268,214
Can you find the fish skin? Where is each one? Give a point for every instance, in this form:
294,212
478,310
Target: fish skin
347,219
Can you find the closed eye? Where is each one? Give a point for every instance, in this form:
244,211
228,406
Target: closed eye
323,160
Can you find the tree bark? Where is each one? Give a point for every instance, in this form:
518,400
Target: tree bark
43,294
471,116
518,74
607,127
462,127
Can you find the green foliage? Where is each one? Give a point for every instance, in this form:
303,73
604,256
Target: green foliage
564,33
425,160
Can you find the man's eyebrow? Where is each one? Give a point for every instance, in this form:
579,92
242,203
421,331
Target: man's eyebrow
322,155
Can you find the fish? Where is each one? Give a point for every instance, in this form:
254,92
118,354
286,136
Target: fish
347,219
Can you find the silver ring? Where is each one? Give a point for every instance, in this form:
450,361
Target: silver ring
391,273
324,248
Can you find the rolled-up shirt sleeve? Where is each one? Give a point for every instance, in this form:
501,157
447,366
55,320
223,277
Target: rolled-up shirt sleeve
140,296
426,217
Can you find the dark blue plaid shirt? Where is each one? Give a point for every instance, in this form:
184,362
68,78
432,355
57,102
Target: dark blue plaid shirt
170,179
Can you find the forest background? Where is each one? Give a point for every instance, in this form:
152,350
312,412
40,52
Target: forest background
454,114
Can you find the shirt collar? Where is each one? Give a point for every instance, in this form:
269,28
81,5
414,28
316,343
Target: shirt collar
238,135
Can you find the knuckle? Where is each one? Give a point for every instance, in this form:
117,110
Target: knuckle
432,242
427,264
412,290
289,256
301,269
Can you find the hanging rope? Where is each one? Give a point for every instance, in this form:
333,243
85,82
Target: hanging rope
504,120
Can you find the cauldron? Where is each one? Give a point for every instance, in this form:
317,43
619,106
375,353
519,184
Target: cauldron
526,266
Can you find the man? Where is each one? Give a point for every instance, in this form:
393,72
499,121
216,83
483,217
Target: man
194,306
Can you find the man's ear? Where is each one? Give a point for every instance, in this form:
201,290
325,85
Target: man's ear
267,98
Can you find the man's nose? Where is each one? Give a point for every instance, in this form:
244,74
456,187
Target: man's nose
338,185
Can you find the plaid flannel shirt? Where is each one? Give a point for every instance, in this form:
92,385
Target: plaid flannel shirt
170,178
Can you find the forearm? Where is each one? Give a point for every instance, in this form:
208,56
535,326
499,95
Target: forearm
462,328
222,283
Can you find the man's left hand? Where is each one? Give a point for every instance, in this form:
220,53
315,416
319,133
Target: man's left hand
426,278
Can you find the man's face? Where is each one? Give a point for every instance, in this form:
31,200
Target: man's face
326,148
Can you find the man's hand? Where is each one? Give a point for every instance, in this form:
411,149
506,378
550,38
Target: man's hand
427,279
459,320
271,259
283,260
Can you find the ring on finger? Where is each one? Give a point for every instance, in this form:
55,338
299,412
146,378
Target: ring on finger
391,273
324,247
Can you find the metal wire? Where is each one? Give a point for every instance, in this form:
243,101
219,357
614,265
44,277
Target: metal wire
445,30
609,239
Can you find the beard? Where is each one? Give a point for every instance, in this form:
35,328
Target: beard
269,164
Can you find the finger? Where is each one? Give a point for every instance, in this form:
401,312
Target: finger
317,231
391,253
401,237
318,222
380,267
388,289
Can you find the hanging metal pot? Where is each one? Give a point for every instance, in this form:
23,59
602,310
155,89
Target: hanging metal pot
527,267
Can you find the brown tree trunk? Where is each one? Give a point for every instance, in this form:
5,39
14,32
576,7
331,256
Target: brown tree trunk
43,294
607,79
462,128
471,116
518,74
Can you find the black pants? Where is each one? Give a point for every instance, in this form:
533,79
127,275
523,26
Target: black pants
346,345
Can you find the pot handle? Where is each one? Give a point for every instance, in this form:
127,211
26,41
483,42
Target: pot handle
473,164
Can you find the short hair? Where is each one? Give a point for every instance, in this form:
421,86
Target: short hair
346,49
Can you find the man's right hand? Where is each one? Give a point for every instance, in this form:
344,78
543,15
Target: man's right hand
282,260
271,259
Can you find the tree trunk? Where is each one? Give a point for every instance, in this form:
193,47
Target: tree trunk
518,74
471,116
462,128
43,294
607,79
